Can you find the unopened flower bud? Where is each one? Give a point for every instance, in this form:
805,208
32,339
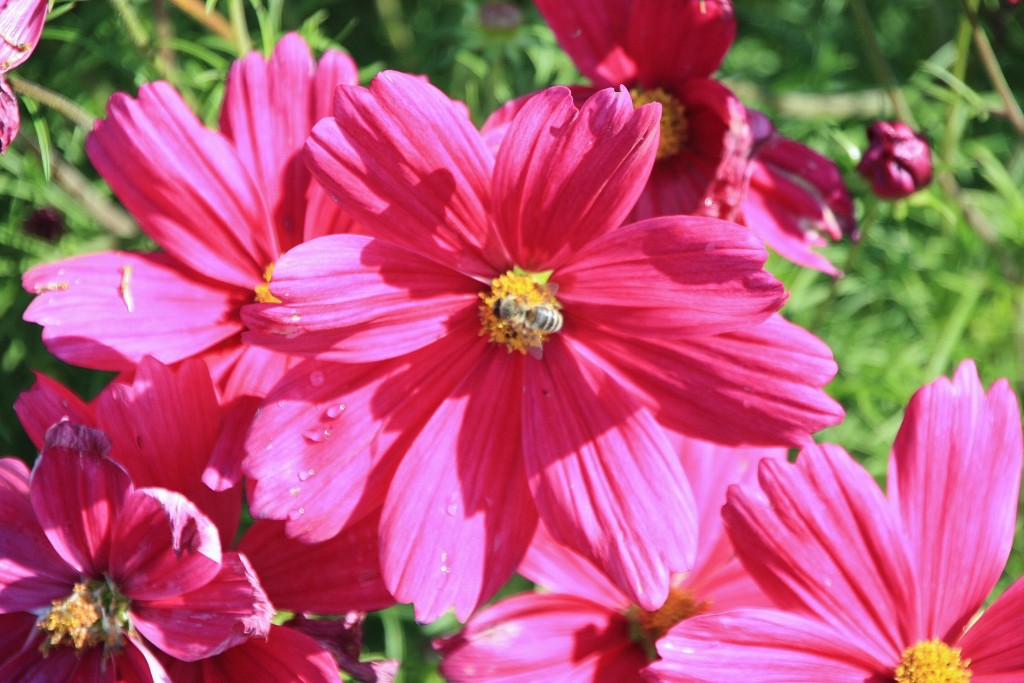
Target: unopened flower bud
898,161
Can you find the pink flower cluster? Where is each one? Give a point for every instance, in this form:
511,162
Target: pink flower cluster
433,356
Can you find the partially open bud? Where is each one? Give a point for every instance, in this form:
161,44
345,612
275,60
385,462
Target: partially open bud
898,161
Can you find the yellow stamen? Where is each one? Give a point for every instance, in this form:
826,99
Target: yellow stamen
673,119
680,605
94,614
262,290
932,661
525,294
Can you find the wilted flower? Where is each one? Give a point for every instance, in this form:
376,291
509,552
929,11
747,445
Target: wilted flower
898,161
876,588
580,627
796,197
105,571
222,205
502,345
21,23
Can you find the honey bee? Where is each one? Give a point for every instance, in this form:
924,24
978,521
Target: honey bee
517,312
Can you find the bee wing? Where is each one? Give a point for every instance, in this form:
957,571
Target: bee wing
536,352
552,288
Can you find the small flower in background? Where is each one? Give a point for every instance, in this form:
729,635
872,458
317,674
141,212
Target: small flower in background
581,628
21,23
796,198
45,223
222,205
876,587
97,574
898,161
445,361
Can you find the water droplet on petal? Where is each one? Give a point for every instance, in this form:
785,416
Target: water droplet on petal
316,378
334,411
304,475
452,509
317,434
446,569
295,514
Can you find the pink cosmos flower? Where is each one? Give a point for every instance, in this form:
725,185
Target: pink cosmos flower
666,52
585,629
796,197
222,205
96,573
898,161
164,425
470,395
876,588
21,24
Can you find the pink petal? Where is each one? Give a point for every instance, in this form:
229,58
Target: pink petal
164,427
347,575
708,176
408,165
993,643
185,185
240,370
670,278
17,631
77,494
285,655
355,299
604,477
568,173
204,622
459,538
13,475
31,573
46,403
678,40
224,468
780,647
592,34
560,569
761,385
534,637
10,116
954,477
21,24
162,546
826,542
108,310
328,427
267,115
137,665
769,219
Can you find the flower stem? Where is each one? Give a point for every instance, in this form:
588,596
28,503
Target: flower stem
239,27
53,100
136,31
213,20
879,64
992,68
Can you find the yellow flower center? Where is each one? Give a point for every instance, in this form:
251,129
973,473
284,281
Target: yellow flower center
520,311
673,119
648,627
263,295
95,613
932,661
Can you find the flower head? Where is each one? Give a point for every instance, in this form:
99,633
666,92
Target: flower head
875,587
222,205
21,24
489,345
898,162
110,571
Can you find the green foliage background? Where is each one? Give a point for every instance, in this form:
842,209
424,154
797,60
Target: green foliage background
936,278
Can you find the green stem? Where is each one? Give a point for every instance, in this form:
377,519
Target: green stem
239,28
136,31
870,218
395,26
55,101
879,64
212,20
992,68
951,132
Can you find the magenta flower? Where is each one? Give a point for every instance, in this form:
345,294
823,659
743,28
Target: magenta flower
877,588
223,206
468,379
21,24
666,52
585,629
108,571
796,197
898,162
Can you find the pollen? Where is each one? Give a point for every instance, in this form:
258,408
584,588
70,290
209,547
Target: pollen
520,311
680,605
932,661
673,120
94,614
262,289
